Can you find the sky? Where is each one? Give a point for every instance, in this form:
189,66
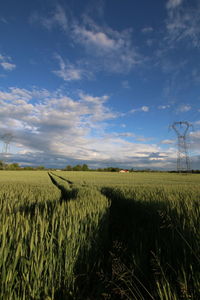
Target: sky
99,82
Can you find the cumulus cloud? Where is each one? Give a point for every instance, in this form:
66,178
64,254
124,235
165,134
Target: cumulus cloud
23,95
53,129
101,110
5,63
49,123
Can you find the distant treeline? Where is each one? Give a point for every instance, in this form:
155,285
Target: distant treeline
84,167
16,166
190,171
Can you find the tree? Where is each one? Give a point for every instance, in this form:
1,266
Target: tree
1,165
14,166
77,168
85,167
68,168
112,169
40,168
28,168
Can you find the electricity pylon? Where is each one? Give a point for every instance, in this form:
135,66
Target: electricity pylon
183,160
6,138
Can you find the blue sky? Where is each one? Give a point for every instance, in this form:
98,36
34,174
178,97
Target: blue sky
99,82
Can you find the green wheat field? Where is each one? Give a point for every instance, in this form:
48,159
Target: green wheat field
89,235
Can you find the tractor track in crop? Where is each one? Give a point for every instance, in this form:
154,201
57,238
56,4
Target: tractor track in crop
68,181
66,194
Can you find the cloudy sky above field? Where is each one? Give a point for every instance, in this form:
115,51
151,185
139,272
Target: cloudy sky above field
99,82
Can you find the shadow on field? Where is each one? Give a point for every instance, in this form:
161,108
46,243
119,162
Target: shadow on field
32,209
137,243
48,206
147,245
91,265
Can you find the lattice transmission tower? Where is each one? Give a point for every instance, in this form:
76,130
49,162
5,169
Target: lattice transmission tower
183,159
6,138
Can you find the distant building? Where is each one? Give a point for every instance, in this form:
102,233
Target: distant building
124,171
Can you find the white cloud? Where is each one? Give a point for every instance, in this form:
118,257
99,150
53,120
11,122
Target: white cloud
90,98
15,94
184,108
97,39
195,135
68,71
125,134
56,18
6,64
147,29
194,143
58,129
125,84
163,106
183,23
143,139
113,49
142,108
104,48
60,17
3,20
171,4
150,42
167,142
54,117
145,108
